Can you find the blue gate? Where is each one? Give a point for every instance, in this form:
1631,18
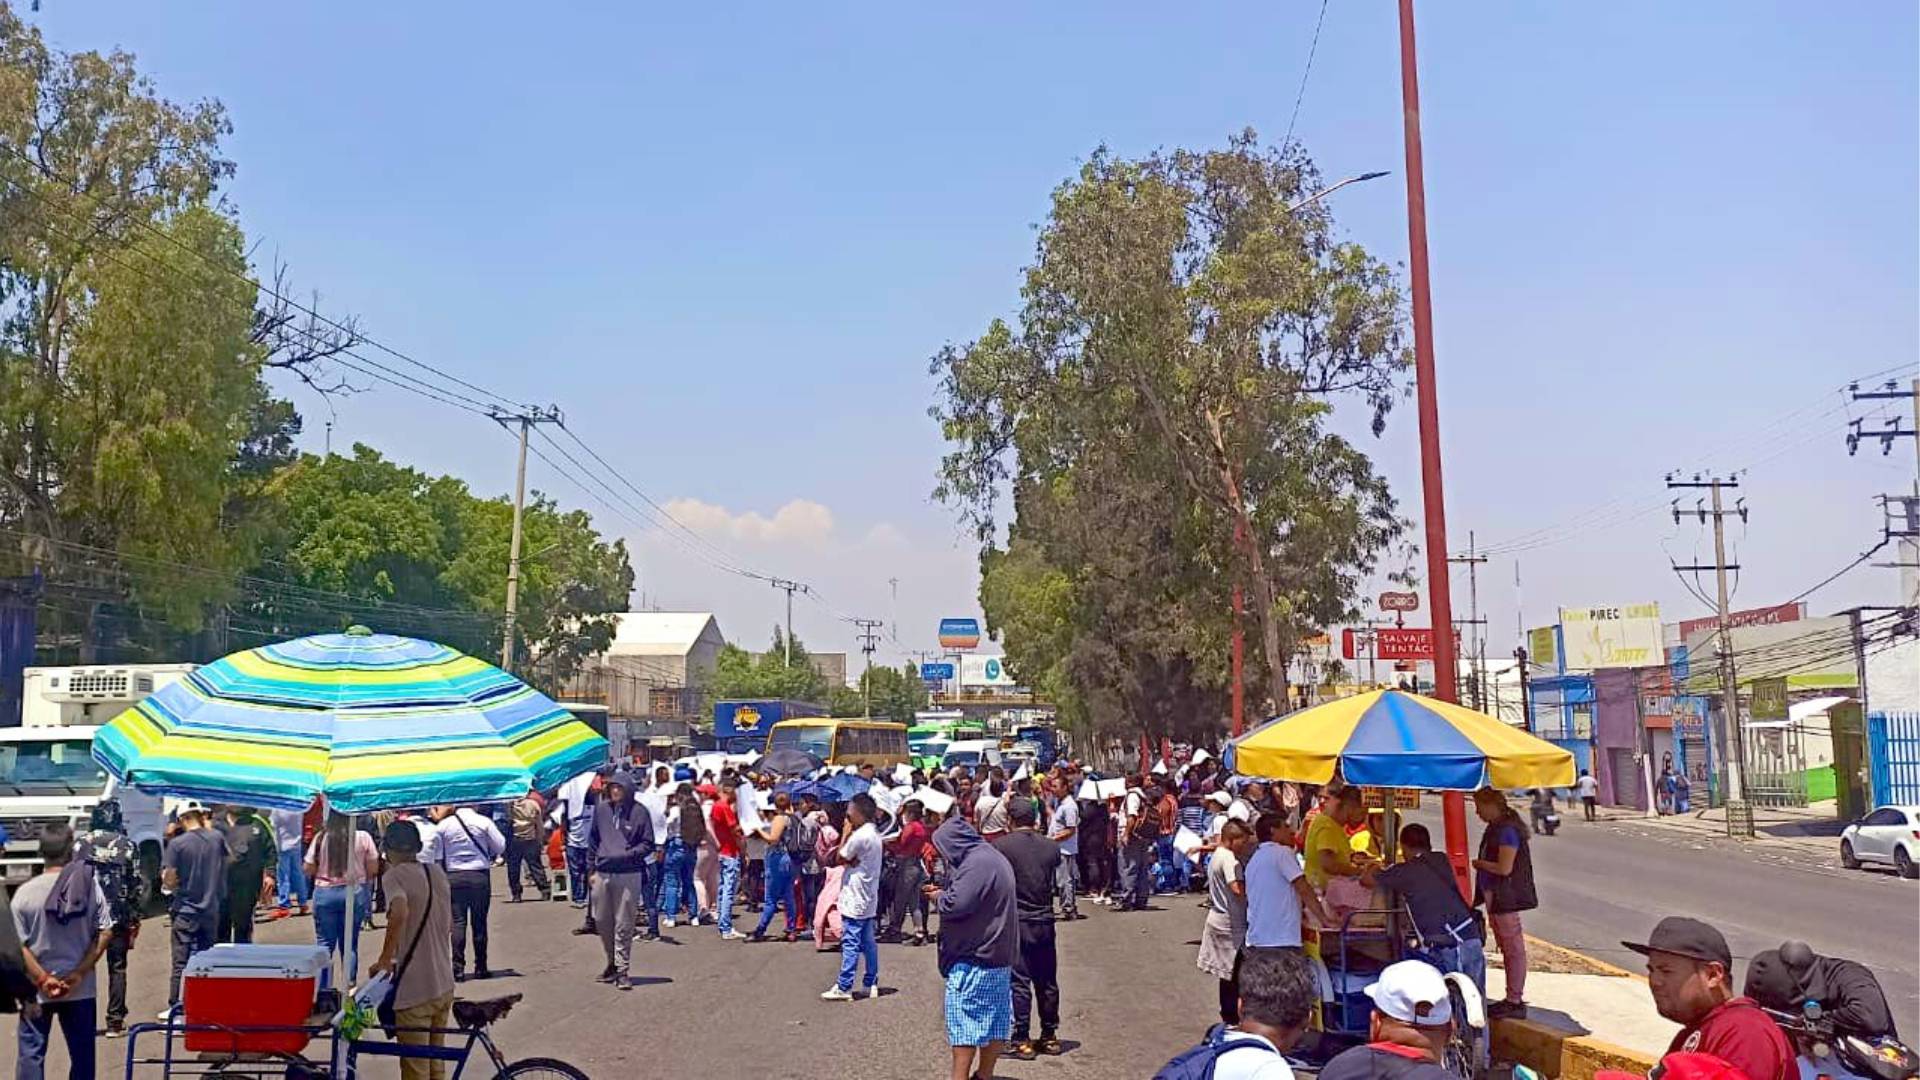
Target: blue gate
1893,755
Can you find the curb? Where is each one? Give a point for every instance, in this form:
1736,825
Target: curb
1577,962
1555,1053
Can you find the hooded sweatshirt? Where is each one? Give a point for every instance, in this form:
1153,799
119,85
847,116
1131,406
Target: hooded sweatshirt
977,914
621,837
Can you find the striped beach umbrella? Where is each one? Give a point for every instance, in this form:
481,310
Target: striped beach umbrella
1391,738
371,721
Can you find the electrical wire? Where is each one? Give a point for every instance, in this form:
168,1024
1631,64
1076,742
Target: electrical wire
1305,73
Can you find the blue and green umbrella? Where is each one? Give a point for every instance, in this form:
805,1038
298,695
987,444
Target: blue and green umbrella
371,721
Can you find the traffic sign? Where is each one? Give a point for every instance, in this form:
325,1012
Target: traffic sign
1399,601
959,633
936,672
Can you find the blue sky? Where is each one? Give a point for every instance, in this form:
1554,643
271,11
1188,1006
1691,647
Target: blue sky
726,240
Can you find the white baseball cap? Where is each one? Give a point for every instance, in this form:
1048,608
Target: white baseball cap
1221,798
1412,992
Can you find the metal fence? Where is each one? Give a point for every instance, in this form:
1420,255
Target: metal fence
1893,756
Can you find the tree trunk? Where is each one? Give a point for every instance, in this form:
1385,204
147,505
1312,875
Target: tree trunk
1263,591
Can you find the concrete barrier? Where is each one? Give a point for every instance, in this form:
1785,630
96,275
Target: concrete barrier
1554,1052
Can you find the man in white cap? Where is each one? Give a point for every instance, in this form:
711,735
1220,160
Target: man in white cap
1412,1020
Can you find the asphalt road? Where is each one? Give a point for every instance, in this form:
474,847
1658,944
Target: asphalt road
1606,882
1131,998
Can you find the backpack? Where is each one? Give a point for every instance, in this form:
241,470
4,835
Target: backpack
1146,824
799,837
693,824
1197,1063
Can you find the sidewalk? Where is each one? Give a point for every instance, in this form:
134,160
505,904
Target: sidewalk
1811,830
1583,1015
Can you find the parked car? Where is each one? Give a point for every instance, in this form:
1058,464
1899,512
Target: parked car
1889,835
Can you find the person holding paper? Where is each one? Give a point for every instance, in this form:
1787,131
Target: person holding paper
908,875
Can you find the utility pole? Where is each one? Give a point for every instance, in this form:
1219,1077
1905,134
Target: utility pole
1476,639
791,587
868,642
1432,490
526,420
1739,814
1909,562
1526,702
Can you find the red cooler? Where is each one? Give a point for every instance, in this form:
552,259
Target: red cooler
241,986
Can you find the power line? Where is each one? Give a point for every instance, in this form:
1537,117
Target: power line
1305,72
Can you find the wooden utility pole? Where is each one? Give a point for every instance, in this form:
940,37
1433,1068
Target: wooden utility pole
1739,813
526,420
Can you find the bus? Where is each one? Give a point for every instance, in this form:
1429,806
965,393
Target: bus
934,730
843,742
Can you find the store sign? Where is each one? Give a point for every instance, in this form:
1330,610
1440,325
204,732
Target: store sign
1375,798
1765,616
1542,648
1769,700
1387,643
1689,717
1399,601
1612,637
985,671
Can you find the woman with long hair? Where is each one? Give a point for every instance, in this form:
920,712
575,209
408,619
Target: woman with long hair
1503,880
340,862
779,869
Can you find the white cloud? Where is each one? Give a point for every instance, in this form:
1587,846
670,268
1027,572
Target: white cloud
800,521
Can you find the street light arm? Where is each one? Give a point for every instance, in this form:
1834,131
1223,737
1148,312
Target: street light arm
1326,191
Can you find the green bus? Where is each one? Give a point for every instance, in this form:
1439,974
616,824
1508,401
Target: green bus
933,730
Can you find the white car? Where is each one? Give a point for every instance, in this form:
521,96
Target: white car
1889,835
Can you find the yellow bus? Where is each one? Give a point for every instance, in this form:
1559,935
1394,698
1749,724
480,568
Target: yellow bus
842,742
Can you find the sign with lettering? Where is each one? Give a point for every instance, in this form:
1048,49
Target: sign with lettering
1387,643
1612,637
959,633
1399,601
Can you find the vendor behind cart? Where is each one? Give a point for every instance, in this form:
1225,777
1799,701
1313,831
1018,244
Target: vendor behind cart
1449,930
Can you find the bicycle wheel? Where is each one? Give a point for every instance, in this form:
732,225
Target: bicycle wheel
538,1068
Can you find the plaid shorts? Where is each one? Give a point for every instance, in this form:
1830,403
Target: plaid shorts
979,1005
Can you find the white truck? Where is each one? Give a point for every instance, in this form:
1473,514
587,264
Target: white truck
47,771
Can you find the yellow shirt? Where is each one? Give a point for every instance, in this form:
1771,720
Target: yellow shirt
1325,834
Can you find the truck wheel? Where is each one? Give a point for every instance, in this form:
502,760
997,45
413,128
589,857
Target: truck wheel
149,899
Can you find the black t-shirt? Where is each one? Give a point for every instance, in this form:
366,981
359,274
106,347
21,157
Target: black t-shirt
1034,858
199,857
1427,885
1382,1061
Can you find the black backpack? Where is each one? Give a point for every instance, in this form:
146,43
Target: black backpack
693,824
1145,826
799,837
1197,1063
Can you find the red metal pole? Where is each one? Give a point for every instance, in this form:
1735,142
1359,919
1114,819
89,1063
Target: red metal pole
1432,492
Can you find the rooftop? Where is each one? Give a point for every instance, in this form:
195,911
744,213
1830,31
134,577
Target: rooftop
660,633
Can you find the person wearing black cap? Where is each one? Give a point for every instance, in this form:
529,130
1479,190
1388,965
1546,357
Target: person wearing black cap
1690,972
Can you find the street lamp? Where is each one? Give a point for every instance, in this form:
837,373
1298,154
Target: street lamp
1330,189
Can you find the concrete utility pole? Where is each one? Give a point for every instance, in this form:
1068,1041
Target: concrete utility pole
1908,562
1739,814
791,587
868,642
526,420
1526,703
1476,638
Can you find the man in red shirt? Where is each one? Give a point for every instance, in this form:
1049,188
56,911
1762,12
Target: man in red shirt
726,842
1690,971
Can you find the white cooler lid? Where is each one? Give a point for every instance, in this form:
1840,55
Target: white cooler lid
258,962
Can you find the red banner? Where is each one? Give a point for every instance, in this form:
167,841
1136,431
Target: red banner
1765,616
1389,643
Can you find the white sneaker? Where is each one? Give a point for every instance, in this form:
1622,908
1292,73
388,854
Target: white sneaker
165,1014
834,993
668,923
733,935
872,993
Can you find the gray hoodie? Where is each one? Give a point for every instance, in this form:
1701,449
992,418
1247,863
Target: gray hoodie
978,924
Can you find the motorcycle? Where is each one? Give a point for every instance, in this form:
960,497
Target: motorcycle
1827,1053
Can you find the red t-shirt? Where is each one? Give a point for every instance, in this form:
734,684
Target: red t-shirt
912,838
726,829
1742,1035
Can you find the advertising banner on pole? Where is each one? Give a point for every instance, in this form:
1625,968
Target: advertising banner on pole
959,633
1612,637
985,671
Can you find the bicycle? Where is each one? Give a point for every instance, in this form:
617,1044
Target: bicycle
471,1020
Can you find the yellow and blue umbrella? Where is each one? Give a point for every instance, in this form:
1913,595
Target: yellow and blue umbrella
1391,738
372,721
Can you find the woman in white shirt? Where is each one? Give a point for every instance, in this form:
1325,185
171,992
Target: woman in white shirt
340,862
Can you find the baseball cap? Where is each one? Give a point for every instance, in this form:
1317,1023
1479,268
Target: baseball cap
1412,992
1221,798
1691,938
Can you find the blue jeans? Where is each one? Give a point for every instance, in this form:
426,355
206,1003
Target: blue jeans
1136,867
857,940
330,918
729,884
779,890
579,861
1171,872
78,1024
810,886
677,893
1469,958
290,881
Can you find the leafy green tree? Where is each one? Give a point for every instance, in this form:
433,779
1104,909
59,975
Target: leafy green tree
738,673
1157,412
893,693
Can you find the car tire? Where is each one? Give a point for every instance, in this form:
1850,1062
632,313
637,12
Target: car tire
1847,858
1904,863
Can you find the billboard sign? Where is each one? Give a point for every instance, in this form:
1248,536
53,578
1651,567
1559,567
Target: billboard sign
959,633
1543,649
1612,637
1764,616
936,672
1811,654
985,671
1399,601
1769,700
1387,643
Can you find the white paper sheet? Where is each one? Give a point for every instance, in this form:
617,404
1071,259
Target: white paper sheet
936,801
